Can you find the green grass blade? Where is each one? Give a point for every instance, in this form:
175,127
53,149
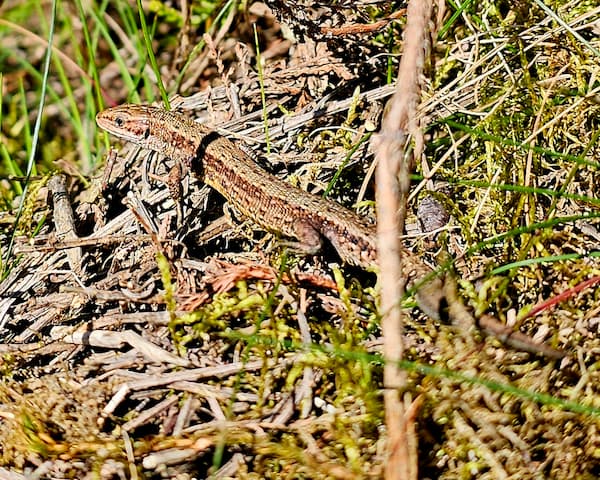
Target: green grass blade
36,133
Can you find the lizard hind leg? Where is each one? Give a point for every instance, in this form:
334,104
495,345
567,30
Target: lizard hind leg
309,240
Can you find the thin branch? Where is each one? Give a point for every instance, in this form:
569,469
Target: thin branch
394,158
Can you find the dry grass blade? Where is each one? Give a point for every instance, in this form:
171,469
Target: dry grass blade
394,157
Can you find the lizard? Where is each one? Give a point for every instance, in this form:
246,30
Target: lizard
280,207
270,202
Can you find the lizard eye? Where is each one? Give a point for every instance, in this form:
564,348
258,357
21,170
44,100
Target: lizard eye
119,122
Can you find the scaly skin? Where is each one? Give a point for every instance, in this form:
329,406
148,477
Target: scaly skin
267,200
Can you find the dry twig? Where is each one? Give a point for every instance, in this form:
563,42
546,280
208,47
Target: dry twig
394,162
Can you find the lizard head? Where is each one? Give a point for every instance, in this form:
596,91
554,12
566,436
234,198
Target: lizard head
129,122
154,128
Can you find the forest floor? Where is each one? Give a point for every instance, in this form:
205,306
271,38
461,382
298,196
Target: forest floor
141,338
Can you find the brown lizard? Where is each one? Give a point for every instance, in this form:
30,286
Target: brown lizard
267,200
271,202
